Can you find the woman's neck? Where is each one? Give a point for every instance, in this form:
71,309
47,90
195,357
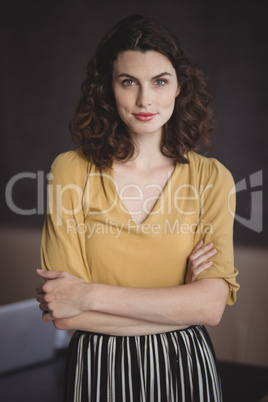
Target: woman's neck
148,153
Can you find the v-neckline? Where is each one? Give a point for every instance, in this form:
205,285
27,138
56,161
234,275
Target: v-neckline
161,195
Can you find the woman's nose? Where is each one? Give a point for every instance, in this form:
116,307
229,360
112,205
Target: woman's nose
144,97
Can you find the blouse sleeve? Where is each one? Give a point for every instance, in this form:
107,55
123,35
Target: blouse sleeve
63,241
216,223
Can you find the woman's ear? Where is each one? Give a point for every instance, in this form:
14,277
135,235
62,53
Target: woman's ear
178,91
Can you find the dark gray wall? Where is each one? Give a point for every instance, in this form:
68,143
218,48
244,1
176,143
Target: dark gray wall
45,47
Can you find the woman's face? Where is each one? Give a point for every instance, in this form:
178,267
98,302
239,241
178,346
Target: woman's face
145,87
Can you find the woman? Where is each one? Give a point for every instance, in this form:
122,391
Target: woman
137,244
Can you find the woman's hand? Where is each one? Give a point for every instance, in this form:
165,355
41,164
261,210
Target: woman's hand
197,261
62,295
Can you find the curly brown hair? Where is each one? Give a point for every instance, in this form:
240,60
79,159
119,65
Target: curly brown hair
97,127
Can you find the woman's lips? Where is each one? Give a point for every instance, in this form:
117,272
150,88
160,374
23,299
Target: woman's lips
144,116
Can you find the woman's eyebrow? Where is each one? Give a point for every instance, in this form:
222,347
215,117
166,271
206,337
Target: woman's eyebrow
134,78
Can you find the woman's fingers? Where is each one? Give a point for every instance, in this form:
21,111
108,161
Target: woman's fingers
198,260
199,250
40,298
61,295
50,274
46,316
43,307
198,246
200,269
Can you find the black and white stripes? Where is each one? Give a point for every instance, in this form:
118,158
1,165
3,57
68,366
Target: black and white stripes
175,366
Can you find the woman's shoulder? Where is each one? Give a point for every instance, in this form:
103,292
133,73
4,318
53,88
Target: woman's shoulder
209,168
70,166
70,159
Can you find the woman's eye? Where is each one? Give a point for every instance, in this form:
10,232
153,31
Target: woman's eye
128,83
160,82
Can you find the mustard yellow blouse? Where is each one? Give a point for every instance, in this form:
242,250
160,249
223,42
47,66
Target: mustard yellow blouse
89,232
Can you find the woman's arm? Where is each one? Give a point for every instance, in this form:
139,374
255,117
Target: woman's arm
201,302
113,325
63,305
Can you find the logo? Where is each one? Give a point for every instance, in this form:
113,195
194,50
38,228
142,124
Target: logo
255,222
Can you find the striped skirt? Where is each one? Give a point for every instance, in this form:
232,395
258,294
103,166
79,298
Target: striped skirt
176,366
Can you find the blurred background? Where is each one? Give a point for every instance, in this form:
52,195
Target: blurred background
45,47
